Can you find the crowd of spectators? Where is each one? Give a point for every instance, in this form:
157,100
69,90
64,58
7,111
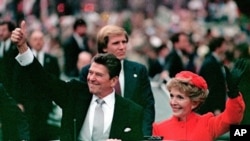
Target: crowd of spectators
143,19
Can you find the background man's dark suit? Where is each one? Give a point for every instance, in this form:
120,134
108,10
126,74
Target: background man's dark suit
14,124
51,65
245,89
74,98
173,63
155,67
7,70
137,88
211,71
71,51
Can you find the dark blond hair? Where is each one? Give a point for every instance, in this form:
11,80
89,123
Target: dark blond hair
104,34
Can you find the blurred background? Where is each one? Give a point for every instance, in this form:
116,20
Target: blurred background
142,19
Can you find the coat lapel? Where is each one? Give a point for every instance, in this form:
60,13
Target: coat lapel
81,109
130,75
119,122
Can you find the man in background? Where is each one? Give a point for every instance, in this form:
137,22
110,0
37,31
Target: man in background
214,72
133,81
73,45
8,52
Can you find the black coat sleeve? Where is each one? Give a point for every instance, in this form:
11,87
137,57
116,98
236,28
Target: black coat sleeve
14,123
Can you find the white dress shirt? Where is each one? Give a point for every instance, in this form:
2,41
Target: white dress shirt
25,58
39,55
122,79
2,49
79,40
5,46
108,110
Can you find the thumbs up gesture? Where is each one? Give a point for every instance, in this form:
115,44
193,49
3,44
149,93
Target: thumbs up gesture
18,37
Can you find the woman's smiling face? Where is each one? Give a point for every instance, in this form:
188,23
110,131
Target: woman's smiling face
180,103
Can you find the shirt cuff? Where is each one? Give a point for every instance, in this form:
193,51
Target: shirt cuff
25,58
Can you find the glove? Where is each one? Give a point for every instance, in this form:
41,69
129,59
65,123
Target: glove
234,77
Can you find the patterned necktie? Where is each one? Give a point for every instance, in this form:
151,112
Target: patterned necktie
98,124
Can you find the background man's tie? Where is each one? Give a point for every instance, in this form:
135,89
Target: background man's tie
118,88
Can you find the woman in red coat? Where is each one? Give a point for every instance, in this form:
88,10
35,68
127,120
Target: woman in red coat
188,91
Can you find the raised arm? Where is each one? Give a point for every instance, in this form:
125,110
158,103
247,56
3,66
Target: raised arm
235,105
33,73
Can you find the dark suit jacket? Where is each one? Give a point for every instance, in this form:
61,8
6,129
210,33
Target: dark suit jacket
8,66
51,64
37,106
7,70
173,63
211,71
245,90
74,99
33,94
138,89
14,123
71,51
154,67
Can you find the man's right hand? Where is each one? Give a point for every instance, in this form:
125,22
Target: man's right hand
18,37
